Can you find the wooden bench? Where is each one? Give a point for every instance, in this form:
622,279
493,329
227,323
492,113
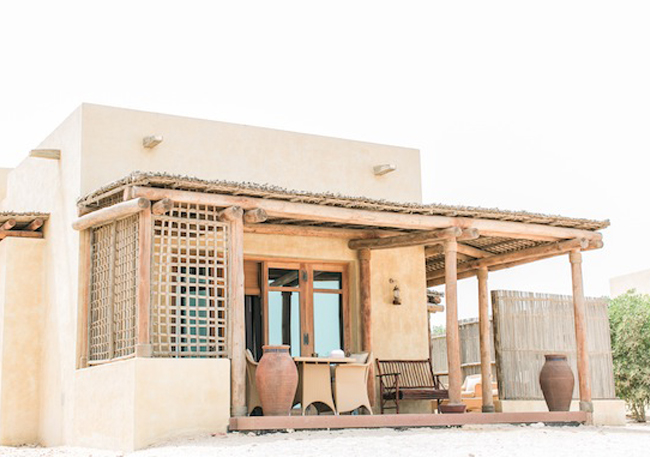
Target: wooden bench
407,380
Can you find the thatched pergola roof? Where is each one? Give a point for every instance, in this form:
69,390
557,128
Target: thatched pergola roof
102,197
488,244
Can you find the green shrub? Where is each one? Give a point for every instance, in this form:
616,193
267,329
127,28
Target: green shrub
629,320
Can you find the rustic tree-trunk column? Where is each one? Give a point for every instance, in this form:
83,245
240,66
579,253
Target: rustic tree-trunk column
453,340
584,377
366,315
234,215
144,348
84,320
484,340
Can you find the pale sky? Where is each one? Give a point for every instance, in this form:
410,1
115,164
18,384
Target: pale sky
539,106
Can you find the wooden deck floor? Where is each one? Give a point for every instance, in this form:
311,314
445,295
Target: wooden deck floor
401,420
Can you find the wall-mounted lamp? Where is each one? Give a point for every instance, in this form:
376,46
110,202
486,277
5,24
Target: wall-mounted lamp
383,169
397,299
152,141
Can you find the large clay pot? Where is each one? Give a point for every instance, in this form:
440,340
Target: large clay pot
556,380
277,380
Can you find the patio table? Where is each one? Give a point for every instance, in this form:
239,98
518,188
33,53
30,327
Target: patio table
315,383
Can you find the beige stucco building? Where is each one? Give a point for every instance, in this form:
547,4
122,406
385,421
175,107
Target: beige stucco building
111,229
639,281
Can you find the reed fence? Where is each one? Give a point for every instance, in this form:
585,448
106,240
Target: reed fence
525,326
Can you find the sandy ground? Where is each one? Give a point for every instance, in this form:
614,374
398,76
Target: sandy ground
469,441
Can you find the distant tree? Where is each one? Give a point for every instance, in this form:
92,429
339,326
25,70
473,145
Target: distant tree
629,320
438,330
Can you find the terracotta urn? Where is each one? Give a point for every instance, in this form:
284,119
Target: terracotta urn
277,380
556,380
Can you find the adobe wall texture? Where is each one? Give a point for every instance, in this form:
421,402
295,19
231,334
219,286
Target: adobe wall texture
112,146
21,324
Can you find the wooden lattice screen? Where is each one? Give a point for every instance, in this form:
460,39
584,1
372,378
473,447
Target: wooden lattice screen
113,284
528,325
189,283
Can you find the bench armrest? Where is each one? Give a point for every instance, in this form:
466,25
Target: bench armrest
387,374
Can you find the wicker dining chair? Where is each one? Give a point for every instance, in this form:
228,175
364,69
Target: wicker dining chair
351,386
252,396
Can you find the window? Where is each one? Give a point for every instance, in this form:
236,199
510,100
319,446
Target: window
304,305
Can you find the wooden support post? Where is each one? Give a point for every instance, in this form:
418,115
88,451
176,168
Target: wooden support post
143,346
366,315
85,276
453,339
584,377
235,216
484,341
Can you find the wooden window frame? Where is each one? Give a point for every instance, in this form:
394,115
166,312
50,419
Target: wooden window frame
306,292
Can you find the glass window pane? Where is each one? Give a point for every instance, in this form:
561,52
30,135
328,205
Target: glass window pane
328,323
328,280
280,277
284,320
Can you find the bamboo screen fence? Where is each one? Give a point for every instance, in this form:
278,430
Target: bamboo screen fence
189,283
529,325
113,285
470,355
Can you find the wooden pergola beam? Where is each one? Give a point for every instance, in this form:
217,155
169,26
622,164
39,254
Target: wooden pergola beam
230,214
35,224
472,251
326,232
19,234
409,239
162,207
255,216
464,251
111,213
431,282
323,213
8,225
557,248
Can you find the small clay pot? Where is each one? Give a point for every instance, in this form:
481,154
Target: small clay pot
446,408
556,380
277,380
